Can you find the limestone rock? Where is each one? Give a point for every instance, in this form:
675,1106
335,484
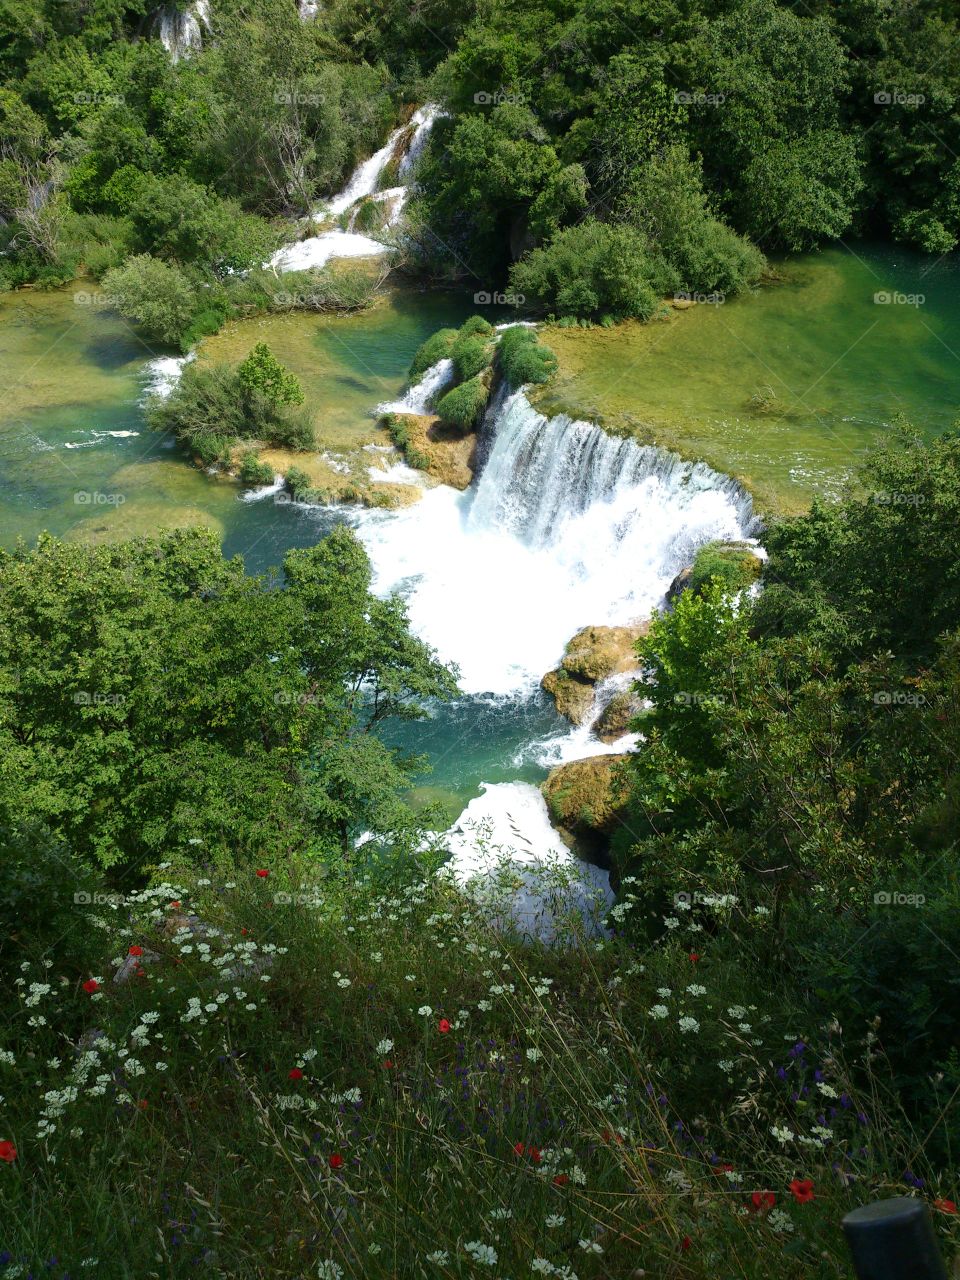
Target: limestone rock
586,797
593,654
614,721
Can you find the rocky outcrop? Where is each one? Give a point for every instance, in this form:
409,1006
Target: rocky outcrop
680,584
586,799
593,654
615,719
449,453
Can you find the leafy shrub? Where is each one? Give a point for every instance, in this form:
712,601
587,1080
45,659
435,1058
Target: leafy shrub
590,269
523,357
263,374
155,295
476,326
252,471
464,405
733,567
470,355
437,347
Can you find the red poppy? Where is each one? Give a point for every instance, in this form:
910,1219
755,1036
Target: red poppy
243,932
518,1148
294,1074
8,1152
173,906
802,1190
91,985
763,1200
685,1244
561,1180
388,1065
135,950
336,1161
263,874
945,1206
534,1154
443,1026
143,1104
694,957
722,1168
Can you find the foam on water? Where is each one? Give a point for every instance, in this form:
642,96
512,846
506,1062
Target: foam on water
566,526
163,374
420,398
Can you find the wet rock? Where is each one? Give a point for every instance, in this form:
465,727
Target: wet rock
586,798
593,654
615,719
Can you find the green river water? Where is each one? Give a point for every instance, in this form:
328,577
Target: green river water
76,458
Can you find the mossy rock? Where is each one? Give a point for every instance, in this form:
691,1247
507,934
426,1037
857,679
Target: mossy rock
587,797
574,698
597,652
615,719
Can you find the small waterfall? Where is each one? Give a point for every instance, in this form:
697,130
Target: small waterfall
364,181
564,527
420,398
180,31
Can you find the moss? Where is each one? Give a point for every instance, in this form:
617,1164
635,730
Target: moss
523,358
437,347
470,354
587,797
464,405
476,325
732,564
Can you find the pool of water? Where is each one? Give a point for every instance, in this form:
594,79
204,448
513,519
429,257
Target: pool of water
787,387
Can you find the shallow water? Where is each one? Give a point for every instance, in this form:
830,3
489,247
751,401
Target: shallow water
841,366
76,459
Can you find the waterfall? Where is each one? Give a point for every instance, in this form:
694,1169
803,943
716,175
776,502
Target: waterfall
565,526
181,30
364,181
421,397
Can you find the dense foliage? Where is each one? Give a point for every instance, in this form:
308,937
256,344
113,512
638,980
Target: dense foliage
152,693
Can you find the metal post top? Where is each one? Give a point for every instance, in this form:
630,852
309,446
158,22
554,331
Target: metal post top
896,1209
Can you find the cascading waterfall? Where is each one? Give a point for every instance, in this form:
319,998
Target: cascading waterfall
421,397
365,180
180,31
565,526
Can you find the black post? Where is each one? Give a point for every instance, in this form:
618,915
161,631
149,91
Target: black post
894,1240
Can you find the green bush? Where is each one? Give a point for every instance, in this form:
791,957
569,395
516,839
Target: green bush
156,295
464,405
476,326
733,567
523,358
470,354
437,347
590,269
252,471
298,484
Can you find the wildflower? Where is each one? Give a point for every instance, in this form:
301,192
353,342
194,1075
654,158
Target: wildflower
424,1011
802,1190
134,950
294,1074
779,1221
554,1220
443,1026
658,1011
589,1246
327,1270
384,1046
694,957
945,1206
439,1258
534,1055
763,1200
695,989
685,1244
263,873
91,985
8,1151
336,1161
482,1253
387,1064
560,1180
688,1024
174,906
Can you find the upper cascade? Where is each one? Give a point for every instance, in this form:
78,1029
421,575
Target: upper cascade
180,31
365,181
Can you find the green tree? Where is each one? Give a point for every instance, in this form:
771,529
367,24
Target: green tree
263,374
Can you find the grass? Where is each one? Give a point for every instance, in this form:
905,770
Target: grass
363,1077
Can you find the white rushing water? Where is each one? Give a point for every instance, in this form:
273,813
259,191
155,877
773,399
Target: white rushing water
316,251
422,396
162,375
505,852
180,31
566,526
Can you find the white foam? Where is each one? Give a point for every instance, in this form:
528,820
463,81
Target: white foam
420,398
506,854
163,374
276,485
316,251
